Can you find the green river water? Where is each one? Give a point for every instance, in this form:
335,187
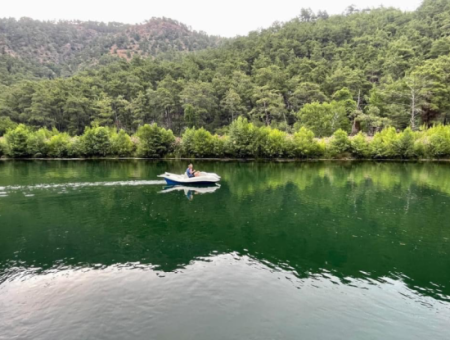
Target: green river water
101,250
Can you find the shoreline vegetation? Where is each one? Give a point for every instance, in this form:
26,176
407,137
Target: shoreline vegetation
242,141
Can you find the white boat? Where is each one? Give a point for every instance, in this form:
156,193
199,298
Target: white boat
202,179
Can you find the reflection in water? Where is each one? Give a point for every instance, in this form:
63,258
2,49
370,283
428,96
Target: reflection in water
223,296
189,191
360,244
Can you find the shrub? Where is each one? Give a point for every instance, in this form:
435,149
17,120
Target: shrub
187,144
322,147
154,141
17,141
243,138
384,144
438,141
305,146
96,141
75,147
59,146
359,146
220,145
200,143
420,146
258,143
276,144
37,143
339,143
203,143
404,146
121,144
2,147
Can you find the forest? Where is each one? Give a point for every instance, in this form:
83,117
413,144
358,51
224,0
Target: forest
380,76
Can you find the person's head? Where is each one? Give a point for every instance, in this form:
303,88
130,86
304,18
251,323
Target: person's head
190,166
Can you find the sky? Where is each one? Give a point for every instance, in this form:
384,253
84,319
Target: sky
227,18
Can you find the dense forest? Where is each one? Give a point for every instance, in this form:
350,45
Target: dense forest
364,70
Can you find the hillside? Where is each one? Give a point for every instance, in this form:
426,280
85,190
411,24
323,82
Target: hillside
53,49
364,70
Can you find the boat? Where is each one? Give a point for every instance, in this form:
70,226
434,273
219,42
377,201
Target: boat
204,178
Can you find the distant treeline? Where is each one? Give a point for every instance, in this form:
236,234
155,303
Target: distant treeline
363,70
243,140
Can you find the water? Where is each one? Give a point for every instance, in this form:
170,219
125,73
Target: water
99,250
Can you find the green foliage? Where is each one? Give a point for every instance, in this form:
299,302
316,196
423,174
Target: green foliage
200,143
191,115
276,144
3,147
154,142
96,141
221,146
404,147
244,141
268,105
324,119
242,138
384,144
17,141
360,71
339,143
37,143
76,147
359,146
366,69
437,144
121,144
305,146
59,146
203,143
187,146
6,124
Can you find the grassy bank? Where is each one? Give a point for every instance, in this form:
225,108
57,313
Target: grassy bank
243,140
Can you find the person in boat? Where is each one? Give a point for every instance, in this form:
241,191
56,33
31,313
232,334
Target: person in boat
190,172
190,195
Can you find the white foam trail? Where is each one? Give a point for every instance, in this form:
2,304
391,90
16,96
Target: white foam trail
78,185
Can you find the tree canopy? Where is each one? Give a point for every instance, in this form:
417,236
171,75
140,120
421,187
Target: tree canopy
362,70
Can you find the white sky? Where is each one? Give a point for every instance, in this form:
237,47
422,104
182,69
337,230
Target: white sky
226,17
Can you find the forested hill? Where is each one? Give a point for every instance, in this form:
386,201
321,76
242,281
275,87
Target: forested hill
362,70
51,49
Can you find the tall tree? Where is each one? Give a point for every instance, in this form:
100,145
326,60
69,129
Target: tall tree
269,104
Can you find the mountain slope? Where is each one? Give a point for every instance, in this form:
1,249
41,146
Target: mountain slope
51,49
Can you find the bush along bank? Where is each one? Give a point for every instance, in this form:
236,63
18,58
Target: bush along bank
242,140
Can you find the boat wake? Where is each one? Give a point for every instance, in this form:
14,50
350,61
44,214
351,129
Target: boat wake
11,188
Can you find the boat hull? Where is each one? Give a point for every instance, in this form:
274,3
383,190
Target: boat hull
204,178
171,182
